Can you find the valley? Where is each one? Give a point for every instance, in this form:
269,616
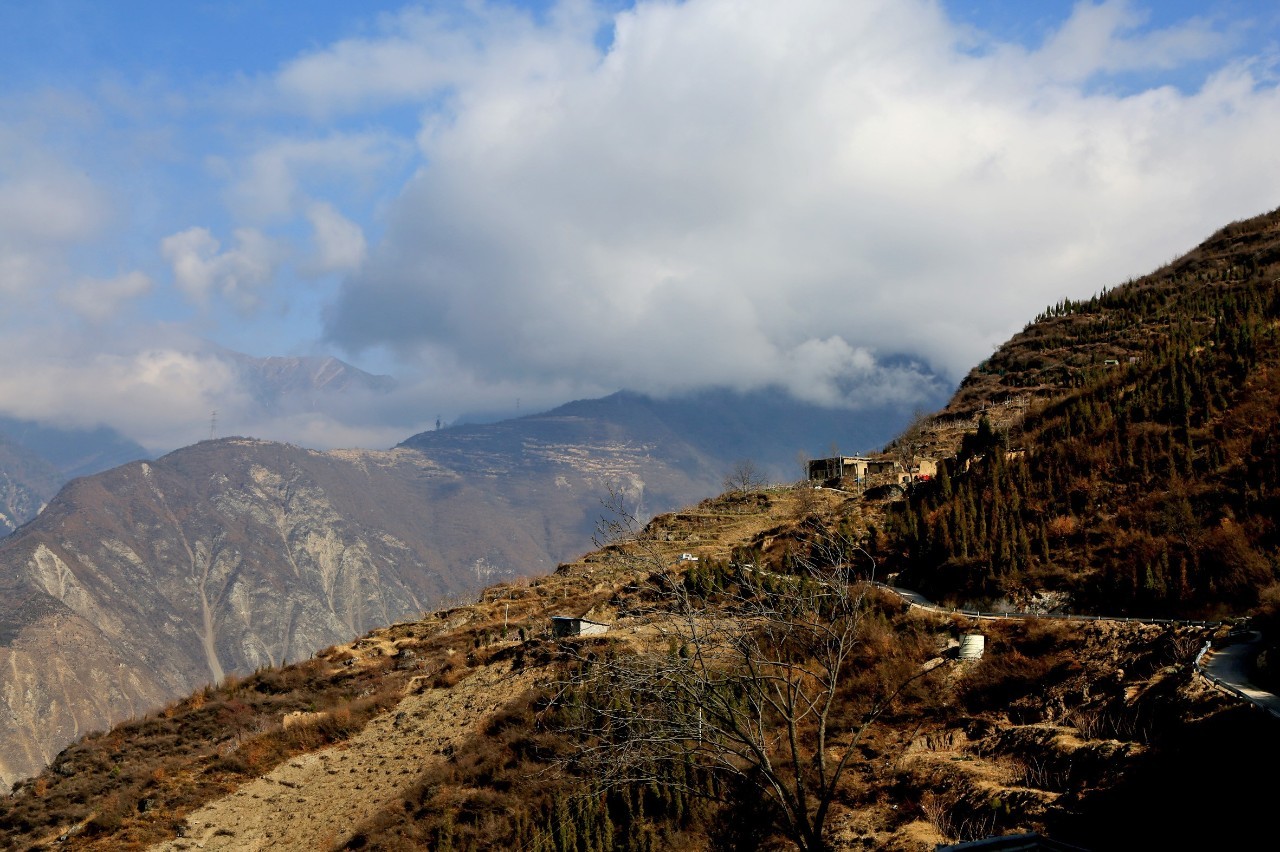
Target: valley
235,554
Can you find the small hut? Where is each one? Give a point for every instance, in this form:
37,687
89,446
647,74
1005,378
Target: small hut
566,625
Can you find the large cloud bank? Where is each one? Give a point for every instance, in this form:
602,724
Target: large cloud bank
749,193
852,199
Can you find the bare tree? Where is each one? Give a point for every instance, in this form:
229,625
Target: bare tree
752,685
744,477
906,448
802,461
620,522
806,498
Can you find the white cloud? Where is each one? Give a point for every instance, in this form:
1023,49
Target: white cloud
201,270
829,195
160,395
419,54
45,207
1106,37
339,244
747,193
159,386
279,175
98,299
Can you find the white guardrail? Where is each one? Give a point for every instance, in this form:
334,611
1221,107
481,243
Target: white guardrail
1230,688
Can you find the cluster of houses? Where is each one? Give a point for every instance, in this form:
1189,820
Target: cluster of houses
865,468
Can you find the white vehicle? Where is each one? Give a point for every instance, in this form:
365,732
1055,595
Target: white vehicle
688,557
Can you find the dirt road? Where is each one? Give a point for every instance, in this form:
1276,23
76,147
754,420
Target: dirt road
316,801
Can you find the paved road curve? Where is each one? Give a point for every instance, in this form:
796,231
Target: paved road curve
1229,665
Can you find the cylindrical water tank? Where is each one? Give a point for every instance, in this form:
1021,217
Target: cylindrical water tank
972,645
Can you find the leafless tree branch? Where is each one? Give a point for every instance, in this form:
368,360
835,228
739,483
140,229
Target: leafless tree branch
751,684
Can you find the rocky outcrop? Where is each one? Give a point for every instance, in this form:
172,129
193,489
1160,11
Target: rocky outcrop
138,585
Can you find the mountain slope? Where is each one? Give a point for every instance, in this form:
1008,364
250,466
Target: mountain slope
451,728
144,583
235,554
1091,480
1138,470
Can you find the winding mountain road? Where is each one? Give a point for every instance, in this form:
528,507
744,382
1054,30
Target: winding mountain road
1229,665
1226,665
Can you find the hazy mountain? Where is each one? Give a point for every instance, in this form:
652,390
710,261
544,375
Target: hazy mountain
26,481
707,430
36,459
300,383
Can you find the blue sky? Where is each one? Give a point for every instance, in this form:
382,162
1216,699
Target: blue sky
557,199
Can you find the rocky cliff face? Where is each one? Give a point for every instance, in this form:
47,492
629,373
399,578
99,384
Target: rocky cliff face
141,584
144,583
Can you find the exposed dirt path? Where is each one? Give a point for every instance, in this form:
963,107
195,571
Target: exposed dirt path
316,801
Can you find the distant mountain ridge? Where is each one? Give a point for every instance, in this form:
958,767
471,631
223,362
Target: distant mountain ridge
713,427
281,381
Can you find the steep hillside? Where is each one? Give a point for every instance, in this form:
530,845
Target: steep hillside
1118,455
138,585
143,583
1129,455
465,730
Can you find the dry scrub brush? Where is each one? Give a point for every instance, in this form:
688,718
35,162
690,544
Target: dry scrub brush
756,680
